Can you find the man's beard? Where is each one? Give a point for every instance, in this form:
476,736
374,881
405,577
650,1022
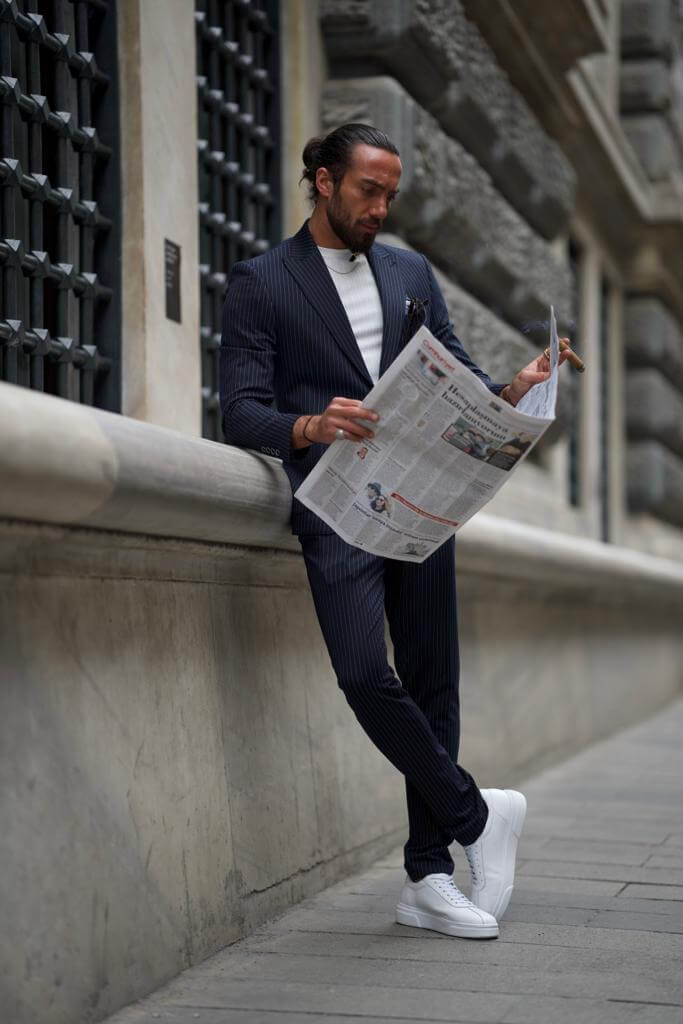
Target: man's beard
354,236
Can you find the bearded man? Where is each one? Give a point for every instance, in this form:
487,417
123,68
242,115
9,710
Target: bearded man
308,328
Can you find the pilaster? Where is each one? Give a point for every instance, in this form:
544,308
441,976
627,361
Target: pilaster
160,357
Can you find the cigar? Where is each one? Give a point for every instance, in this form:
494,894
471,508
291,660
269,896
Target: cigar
572,358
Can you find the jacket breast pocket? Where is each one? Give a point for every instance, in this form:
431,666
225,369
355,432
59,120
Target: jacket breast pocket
417,314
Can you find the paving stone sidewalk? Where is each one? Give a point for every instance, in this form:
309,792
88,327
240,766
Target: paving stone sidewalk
593,935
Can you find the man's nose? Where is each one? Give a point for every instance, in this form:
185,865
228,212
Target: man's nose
380,208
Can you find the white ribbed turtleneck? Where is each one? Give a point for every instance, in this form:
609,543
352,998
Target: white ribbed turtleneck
358,292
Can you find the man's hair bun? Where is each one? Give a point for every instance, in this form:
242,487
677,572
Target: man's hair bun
311,151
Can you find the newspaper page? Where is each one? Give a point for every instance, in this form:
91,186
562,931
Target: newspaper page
443,446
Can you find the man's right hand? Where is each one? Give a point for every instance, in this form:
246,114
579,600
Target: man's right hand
340,414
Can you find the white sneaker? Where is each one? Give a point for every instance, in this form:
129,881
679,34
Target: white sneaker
492,856
436,902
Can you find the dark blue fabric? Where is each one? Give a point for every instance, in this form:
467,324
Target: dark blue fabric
413,719
287,350
287,346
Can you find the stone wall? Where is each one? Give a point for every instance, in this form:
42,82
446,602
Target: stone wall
652,84
442,61
652,116
654,409
178,763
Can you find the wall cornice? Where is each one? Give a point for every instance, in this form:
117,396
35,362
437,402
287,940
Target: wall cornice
74,466
634,216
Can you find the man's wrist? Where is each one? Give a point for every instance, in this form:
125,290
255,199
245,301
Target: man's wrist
302,432
506,395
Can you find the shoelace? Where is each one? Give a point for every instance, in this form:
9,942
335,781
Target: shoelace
473,854
447,888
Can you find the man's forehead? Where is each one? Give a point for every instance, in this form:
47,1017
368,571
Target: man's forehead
373,162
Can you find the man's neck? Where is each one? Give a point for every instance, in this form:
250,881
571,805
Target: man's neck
321,231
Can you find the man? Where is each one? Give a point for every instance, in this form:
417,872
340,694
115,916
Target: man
308,328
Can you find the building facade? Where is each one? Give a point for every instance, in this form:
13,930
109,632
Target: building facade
168,710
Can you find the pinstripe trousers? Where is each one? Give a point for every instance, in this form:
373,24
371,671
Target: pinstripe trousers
412,715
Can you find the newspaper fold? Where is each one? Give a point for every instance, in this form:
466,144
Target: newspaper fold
443,446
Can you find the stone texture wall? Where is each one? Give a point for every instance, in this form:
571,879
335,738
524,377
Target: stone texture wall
652,117
484,190
654,409
178,763
440,58
652,84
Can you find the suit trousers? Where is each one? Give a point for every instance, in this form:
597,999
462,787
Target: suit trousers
412,715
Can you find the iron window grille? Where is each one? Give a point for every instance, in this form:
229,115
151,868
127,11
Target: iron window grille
238,114
59,329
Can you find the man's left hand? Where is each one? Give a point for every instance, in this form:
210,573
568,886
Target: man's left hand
536,371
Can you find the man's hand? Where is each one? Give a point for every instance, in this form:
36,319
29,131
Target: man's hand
340,414
536,371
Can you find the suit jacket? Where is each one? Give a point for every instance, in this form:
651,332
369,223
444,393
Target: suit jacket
287,346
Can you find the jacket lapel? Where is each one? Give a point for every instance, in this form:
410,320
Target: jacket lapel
307,267
392,295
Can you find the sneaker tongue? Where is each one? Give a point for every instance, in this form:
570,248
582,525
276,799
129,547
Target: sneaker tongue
444,876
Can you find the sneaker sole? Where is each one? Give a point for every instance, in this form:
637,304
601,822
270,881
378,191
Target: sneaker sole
518,806
421,919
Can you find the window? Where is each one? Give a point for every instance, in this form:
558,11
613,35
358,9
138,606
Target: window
59,214
238,110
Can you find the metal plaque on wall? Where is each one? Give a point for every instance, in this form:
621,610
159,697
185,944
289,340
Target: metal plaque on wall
172,278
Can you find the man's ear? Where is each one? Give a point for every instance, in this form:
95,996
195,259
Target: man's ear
324,182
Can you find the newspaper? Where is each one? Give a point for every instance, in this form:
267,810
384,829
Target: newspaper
443,446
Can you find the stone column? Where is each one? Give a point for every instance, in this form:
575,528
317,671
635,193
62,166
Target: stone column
303,74
161,366
616,426
589,404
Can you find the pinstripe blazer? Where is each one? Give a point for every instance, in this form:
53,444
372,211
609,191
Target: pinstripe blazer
287,346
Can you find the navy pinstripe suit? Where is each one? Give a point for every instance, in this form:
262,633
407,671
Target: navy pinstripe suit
287,350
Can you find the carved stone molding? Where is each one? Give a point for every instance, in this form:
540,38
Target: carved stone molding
652,85
654,409
441,59
450,209
655,481
653,337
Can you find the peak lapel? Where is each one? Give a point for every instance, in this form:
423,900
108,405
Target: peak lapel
392,295
307,267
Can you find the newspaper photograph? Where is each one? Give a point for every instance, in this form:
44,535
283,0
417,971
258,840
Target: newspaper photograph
443,446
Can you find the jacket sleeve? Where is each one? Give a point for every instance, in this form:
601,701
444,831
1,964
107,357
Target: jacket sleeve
442,328
247,368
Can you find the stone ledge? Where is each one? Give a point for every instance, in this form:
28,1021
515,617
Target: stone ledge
654,140
69,464
73,466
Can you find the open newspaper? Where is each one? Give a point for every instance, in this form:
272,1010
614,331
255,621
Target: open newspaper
443,446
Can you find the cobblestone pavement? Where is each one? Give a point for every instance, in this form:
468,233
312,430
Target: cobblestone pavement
594,932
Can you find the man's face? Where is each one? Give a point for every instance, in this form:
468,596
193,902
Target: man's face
359,204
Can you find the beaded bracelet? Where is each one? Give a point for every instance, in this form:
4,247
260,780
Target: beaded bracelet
304,430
